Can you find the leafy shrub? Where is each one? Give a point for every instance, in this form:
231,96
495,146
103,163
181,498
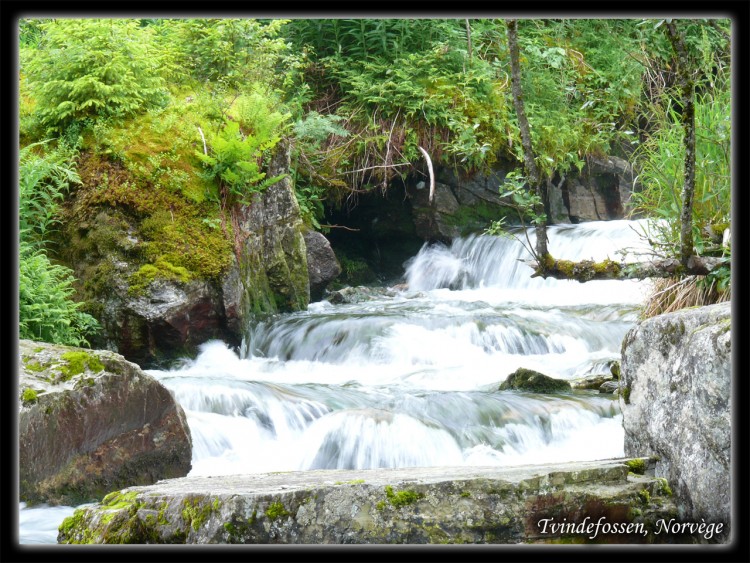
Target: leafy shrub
94,68
46,310
237,150
43,180
231,51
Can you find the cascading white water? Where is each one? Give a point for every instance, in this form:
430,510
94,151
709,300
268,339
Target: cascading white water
410,378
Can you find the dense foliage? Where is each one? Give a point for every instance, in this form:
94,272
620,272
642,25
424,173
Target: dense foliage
175,120
46,309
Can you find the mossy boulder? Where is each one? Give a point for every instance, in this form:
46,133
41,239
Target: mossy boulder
91,422
534,382
164,273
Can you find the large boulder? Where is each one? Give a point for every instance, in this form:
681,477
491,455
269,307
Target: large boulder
322,265
601,192
675,395
469,202
91,422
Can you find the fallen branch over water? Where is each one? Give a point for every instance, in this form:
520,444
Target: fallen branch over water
587,270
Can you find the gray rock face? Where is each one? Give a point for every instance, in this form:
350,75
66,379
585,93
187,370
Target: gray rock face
675,397
322,265
272,260
602,191
469,203
414,505
91,422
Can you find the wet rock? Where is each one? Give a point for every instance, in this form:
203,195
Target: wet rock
359,294
91,422
591,382
609,387
322,265
271,253
601,192
529,380
676,389
390,506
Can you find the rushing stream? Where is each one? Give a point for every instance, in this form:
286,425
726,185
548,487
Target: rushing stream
409,377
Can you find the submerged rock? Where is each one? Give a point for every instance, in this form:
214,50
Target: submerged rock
529,380
591,381
91,422
675,397
609,387
359,294
394,506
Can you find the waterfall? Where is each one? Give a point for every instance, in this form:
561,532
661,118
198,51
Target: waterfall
410,378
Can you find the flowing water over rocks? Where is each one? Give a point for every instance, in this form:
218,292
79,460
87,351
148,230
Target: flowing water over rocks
409,378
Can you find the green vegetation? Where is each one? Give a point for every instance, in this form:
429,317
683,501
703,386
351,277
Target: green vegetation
47,311
168,124
663,487
195,511
91,69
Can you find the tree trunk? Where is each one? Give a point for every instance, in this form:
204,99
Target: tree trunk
528,153
687,88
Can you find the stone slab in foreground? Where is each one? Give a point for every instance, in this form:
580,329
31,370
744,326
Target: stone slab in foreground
413,505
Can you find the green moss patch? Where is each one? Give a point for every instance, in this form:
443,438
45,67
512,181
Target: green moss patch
195,511
29,396
148,273
401,498
637,466
77,363
276,510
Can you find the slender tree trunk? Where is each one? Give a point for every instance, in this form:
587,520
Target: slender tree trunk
687,94
528,153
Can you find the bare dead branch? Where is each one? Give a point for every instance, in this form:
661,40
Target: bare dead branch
432,174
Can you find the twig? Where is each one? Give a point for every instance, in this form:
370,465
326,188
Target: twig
373,167
339,227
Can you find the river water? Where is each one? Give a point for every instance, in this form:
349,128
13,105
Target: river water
408,377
